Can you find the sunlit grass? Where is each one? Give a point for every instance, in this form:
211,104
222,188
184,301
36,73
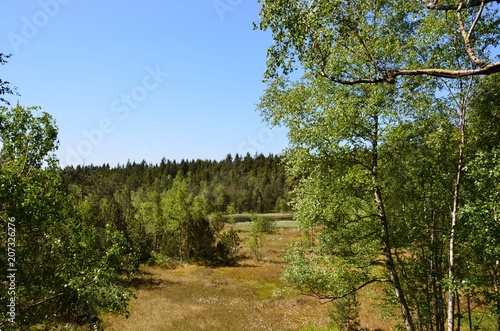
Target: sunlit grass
249,296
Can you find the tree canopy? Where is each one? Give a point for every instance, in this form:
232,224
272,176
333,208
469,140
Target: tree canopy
379,111
381,40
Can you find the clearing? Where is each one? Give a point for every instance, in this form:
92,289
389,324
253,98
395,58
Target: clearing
248,296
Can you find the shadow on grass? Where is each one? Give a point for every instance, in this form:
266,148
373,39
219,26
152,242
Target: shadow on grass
149,283
239,261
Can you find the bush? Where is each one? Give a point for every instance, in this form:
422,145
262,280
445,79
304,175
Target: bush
200,240
228,245
263,225
256,241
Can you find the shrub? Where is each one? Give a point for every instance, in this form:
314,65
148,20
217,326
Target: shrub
228,245
263,225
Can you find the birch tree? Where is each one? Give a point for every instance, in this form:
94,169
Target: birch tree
428,47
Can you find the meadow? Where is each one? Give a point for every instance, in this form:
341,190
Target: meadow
247,296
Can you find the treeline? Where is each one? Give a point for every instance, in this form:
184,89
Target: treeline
234,185
174,210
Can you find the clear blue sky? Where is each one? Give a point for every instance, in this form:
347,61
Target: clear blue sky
141,79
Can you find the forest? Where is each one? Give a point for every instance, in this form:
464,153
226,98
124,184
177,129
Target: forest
167,207
392,175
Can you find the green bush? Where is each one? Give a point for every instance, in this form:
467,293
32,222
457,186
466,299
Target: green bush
228,245
263,224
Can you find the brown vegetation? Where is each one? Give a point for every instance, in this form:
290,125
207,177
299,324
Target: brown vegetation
248,296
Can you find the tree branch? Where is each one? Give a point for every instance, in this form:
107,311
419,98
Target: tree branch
466,36
434,5
33,306
36,304
330,298
479,12
367,50
391,74
354,81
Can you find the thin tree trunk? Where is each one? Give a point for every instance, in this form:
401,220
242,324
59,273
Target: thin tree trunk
456,194
436,278
451,262
442,304
389,262
451,274
469,312
385,237
180,247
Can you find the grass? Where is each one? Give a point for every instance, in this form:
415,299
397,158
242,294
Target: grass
247,217
249,296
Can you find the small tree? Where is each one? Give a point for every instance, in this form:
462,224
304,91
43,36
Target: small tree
69,268
264,225
256,240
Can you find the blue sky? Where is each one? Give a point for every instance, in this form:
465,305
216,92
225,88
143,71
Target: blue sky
141,80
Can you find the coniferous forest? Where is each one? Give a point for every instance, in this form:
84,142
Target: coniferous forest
170,207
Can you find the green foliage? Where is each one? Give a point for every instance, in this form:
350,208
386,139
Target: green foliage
217,222
481,242
263,224
228,245
485,119
27,142
346,315
373,41
176,210
256,240
379,166
69,262
243,184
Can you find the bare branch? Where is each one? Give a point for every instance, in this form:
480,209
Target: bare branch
479,12
466,36
391,74
434,5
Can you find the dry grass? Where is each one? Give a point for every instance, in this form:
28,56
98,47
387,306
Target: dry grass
249,296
